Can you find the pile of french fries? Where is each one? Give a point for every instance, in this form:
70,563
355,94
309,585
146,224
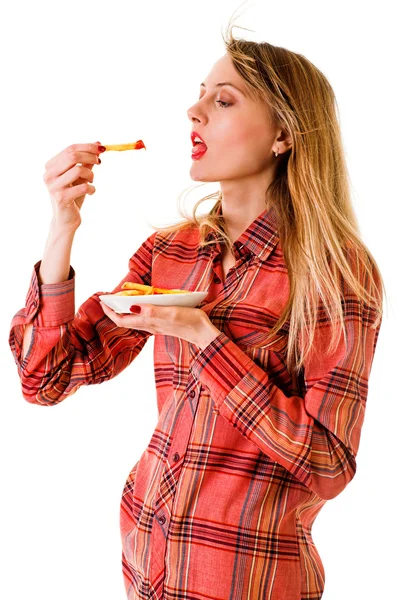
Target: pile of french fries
139,289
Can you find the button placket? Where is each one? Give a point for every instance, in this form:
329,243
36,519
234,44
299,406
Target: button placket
161,519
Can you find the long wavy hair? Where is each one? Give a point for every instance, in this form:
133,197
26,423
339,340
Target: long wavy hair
318,230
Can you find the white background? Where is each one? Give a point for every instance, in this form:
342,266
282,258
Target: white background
117,72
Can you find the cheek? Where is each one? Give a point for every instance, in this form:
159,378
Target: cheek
255,145
248,148
256,135
245,138
249,159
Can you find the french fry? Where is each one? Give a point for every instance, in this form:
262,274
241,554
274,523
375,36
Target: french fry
131,285
163,291
149,289
129,293
145,290
133,146
139,293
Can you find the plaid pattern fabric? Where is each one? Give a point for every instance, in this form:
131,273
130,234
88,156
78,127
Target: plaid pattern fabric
243,456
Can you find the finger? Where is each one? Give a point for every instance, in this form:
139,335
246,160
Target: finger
78,174
69,161
114,316
135,309
106,307
108,311
91,165
85,149
88,166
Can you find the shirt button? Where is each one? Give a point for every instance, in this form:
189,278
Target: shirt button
175,456
161,519
35,303
192,394
217,279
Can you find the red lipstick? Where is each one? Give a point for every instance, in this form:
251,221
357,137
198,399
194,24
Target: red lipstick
199,145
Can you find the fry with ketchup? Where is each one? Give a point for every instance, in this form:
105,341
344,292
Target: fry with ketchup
131,146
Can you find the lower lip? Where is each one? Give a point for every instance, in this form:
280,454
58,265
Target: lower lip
198,154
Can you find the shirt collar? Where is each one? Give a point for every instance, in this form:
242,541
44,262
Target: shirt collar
260,238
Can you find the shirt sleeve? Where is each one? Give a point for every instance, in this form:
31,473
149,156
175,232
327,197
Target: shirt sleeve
68,350
315,437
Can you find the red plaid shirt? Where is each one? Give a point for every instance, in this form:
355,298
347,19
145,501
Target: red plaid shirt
243,456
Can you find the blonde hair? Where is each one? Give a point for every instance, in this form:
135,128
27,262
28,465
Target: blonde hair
318,230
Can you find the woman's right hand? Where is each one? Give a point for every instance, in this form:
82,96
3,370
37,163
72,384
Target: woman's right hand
68,183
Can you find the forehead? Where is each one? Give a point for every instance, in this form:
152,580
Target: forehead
223,70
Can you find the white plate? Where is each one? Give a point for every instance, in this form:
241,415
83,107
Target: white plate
121,304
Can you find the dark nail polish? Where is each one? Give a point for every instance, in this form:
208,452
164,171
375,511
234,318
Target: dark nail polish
101,148
135,309
99,160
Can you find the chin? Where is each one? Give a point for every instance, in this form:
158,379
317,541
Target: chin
204,179
198,174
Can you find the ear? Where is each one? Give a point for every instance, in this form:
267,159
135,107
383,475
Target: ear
283,141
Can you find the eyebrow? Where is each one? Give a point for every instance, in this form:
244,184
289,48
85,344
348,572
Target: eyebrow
226,83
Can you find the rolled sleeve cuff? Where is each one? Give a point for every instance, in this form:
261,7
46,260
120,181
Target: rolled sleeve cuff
50,304
221,366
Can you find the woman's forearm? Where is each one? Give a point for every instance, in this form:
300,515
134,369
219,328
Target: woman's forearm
55,264
54,267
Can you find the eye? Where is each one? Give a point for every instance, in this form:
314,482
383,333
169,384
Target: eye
222,102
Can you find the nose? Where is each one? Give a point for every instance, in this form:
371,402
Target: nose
191,113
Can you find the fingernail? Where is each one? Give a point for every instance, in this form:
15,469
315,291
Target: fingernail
99,160
101,148
135,309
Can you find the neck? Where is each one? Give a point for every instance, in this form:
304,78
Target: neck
238,218
242,203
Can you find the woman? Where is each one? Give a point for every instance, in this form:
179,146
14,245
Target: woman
261,390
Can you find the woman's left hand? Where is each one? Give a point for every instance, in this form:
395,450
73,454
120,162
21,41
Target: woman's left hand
190,324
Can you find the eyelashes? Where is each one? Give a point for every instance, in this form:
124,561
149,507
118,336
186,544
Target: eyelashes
222,103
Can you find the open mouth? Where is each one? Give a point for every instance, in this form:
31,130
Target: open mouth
198,149
199,145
